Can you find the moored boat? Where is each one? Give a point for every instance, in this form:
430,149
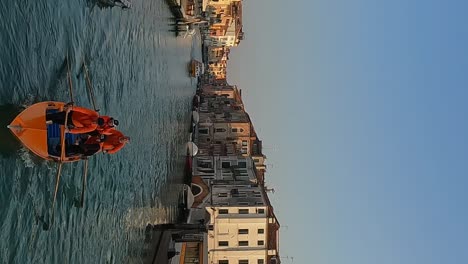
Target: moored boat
111,3
196,68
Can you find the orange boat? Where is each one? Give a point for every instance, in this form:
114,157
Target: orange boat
43,139
50,141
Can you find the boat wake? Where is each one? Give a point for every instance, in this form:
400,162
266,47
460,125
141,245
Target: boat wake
28,101
27,157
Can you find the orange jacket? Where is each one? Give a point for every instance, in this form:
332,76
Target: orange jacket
112,142
84,120
105,129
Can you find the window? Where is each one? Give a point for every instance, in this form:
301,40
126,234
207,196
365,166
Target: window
203,131
223,243
261,231
242,164
240,195
243,231
243,211
204,164
260,243
223,211
258,203
243,261
220,130
234,130
260,261
243,243
260,211
223,261
226,164
244,143
222,194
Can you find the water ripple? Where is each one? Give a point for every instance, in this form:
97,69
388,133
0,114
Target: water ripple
139,74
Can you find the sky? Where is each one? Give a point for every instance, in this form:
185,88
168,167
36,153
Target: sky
362,109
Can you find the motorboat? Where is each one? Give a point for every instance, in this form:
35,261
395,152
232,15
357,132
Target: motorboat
196,68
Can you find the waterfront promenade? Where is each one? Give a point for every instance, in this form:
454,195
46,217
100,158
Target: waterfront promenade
160,242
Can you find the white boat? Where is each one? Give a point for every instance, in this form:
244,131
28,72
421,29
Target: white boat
195,117
192,149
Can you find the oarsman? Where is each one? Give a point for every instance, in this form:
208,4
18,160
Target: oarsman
81,120
114,142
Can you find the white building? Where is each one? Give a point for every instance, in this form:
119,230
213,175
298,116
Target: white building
217,2
215,169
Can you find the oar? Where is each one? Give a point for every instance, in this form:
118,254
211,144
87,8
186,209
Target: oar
59,170
89,86
84,182
57,181
70,84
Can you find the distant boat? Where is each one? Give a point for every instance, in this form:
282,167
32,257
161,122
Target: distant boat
187,197
189,31
195,117
196,68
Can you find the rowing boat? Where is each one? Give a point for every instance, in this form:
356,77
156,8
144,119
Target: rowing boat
50,140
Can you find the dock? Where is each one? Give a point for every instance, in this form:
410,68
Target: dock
159,243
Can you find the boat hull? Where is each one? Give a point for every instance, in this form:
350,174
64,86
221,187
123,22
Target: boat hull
196,68
31,129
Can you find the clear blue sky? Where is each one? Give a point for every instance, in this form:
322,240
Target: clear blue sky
363,108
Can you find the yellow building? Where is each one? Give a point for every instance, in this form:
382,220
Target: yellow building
225,20
240,234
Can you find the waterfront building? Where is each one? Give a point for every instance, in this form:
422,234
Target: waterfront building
217,54
225,20
224,169
218,69
224,127
218,2
239,233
